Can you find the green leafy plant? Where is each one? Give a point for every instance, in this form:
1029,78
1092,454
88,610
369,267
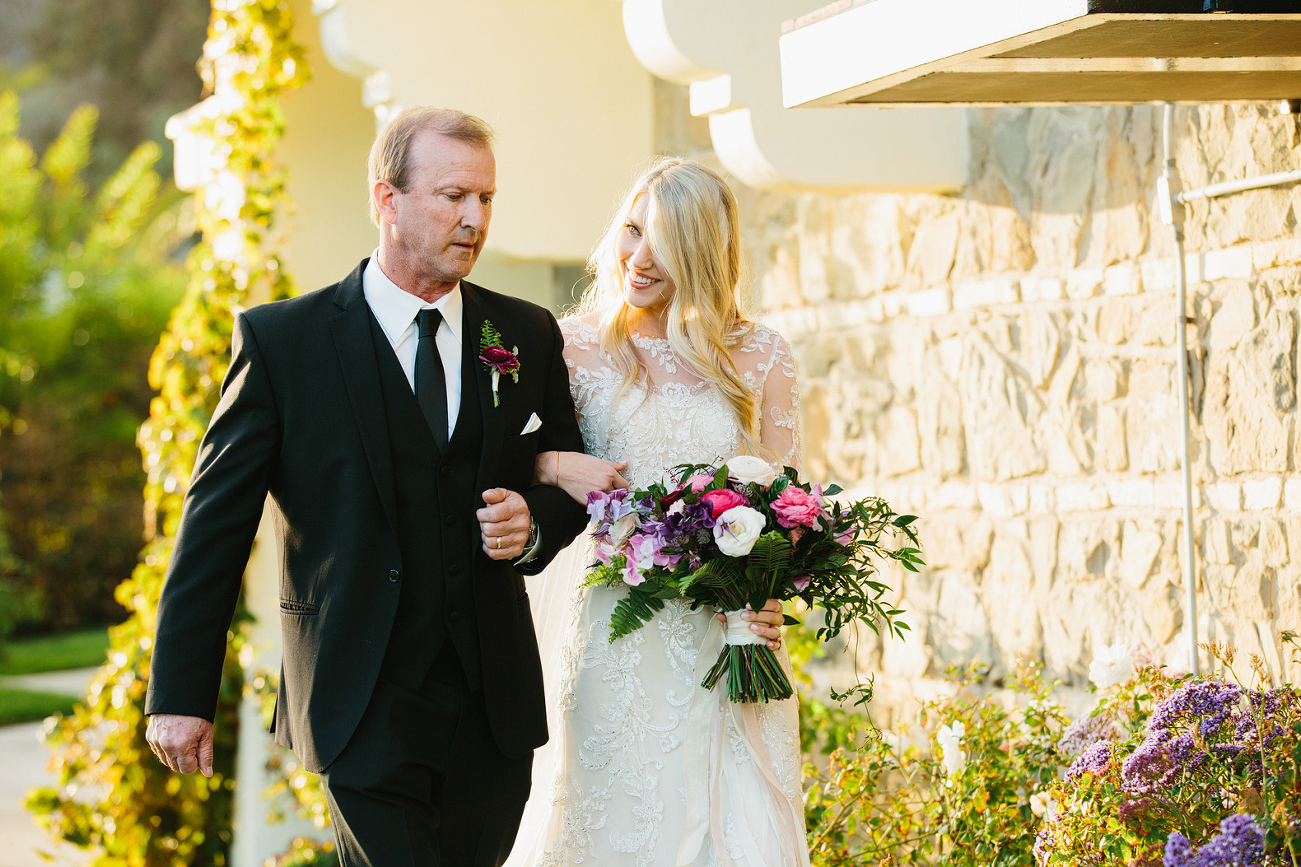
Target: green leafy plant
86,287
137,812
956,789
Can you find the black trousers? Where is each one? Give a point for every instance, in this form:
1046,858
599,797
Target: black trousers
422,782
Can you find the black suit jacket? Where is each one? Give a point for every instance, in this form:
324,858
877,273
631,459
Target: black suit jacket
301,417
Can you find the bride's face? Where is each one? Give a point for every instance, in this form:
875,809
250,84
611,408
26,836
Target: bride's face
646,285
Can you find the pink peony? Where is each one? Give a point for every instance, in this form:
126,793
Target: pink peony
800,583
699,482
795,507
723,499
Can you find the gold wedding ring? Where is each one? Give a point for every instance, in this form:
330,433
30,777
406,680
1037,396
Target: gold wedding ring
498,538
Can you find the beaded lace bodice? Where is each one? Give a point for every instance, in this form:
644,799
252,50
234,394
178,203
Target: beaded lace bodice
677,415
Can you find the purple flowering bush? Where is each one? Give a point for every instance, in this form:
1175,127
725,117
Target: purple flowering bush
1166,771
1183,772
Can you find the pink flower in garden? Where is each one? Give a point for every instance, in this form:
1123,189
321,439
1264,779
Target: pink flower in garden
796,507
723,499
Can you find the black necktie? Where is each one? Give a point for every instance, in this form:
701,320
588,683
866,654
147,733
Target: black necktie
431,384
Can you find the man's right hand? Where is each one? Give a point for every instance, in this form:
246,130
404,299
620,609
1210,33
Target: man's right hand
183,743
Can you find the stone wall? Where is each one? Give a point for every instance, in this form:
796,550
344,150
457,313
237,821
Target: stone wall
1001,362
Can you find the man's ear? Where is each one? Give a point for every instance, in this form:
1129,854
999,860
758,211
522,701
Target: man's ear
384,195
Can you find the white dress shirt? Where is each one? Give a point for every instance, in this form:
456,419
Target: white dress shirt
396,311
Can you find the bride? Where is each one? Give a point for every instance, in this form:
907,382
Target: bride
645,767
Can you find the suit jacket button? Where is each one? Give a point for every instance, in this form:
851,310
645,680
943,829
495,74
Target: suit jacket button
394,575
449,520
444,472
454,616
454,569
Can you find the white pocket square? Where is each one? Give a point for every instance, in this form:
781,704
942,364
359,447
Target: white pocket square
534,424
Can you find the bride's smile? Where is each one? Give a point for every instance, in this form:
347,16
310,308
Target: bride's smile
646,285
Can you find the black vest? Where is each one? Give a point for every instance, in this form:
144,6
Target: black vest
437,531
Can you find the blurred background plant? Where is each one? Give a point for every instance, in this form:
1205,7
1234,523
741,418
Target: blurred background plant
90,251
86,286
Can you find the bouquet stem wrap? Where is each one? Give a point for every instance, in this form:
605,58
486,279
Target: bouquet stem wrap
752,670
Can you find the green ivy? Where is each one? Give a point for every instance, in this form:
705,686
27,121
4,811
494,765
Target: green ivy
112,793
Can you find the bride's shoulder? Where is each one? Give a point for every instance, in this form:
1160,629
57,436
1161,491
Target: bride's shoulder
578,329
757,337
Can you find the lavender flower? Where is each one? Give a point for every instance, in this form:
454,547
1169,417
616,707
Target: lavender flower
1092,761
1149,768
1240,843
1085,732
1203,700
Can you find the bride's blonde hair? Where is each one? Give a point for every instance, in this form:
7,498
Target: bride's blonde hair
693,229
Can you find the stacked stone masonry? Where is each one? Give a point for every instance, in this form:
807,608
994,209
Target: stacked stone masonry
1001,362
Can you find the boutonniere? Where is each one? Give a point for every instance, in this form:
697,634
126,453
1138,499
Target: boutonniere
496,360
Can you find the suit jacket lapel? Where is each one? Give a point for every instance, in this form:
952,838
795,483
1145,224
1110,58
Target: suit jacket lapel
474,372
356,349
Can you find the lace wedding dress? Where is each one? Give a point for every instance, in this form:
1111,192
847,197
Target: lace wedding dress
645,768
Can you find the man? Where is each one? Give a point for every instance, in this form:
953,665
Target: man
400,474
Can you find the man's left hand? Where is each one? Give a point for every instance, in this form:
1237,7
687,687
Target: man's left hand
766,622
504,524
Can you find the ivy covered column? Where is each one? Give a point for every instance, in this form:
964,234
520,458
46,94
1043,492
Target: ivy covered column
112,793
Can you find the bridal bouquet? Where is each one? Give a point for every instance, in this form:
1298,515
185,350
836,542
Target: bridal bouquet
736,536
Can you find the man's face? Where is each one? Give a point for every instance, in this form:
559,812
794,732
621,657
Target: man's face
439,224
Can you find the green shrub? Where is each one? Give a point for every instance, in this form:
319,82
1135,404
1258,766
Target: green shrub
85,289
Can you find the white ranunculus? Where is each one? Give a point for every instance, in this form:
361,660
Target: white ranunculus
950,739
1041,804
748,469
622,531
1112,664
737,529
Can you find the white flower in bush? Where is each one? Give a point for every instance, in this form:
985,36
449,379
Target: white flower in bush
950,738
737,529
748,469
1041,804
1112,664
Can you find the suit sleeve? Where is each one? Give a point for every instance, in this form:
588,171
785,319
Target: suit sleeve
558,516
219,519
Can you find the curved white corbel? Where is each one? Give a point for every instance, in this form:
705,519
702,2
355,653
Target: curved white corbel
728,53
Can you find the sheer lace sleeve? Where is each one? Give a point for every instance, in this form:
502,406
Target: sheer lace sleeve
767,365
779,425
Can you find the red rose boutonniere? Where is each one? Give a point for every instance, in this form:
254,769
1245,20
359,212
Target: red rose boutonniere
496,359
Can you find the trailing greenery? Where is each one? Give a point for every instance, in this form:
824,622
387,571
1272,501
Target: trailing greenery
55,652
85,287
141,814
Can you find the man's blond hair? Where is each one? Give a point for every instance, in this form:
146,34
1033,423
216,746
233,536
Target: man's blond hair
390,154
